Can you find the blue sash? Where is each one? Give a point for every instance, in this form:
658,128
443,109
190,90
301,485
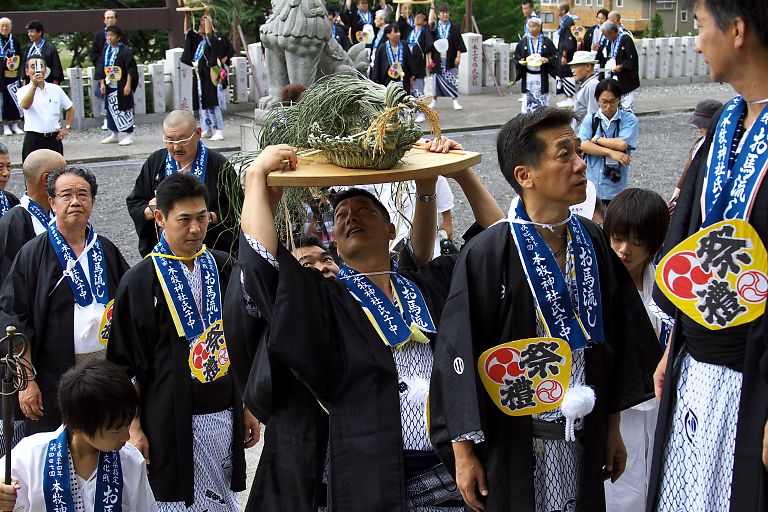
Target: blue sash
7,50
189,319
85,293
443,33
110,54
411,22
413,37
365,19
35,209
199,50
198,168
394,327
38,49
553,302
614,47
378,39
56,487
4,204
562,22
391,54
729,192
539,44
600,37
333,30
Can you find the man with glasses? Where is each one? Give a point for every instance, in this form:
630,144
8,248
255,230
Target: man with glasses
618,60
183,152
59,292
608,138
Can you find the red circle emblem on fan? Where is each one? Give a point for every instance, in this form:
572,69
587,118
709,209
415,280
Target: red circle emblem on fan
502,363
682,273
752,286
199,356
549,391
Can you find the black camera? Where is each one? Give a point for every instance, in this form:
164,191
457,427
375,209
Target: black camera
612,172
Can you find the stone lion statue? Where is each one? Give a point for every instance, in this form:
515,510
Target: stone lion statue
300,47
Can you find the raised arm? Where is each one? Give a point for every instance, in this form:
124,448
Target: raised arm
257,219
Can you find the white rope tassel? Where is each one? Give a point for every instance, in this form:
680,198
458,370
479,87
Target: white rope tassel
577,403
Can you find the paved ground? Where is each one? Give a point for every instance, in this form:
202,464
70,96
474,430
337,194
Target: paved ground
664,142
485,110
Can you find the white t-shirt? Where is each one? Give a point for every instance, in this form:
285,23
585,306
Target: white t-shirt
28,463
44,115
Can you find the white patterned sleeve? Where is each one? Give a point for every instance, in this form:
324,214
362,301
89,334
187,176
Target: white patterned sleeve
476,437
262,251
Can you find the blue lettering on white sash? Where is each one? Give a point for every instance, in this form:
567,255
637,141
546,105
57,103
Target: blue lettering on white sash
729,192
198,168
85,293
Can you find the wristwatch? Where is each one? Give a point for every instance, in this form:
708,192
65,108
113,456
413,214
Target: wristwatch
68,127
594,139
427,198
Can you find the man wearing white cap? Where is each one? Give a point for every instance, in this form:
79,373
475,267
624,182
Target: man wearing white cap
532,57
583,69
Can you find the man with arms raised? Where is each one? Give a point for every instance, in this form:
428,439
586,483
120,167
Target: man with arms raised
58,291
167,333
712,426
540,290
184,152
360,342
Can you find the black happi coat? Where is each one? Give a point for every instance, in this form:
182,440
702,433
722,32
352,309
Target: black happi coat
289,474
16,229
743,348
220,235
548,50
41,305
589,37
127,63
381,66
341,37
405,27
214,51
626,56
419,52
144,342
51,56
490,304
566,45
352,20
10,111
320,331
455,45
97,46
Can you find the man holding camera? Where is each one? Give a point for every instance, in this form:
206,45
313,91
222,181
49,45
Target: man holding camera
42,103
607,138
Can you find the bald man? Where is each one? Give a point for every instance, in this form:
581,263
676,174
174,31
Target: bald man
615,17
21,224
184,152
30,217
97,49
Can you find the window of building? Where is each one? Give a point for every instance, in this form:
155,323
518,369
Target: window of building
619,3
665,5
547,2
600,3
547,17
578,2
588,3
683,16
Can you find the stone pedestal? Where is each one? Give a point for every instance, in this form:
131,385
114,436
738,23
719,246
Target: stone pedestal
140,94
662,46
238,79
688,48
651,56
157,77
489,63
677,58
182,80
75,77
259,80
471,67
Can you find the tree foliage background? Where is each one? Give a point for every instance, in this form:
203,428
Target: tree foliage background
501,18
147,45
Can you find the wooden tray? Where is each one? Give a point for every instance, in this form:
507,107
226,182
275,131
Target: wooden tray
416,163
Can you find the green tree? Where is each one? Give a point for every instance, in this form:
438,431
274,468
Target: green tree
657,26
500,18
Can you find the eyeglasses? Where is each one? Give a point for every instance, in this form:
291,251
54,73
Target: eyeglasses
182,142
605,103
82,196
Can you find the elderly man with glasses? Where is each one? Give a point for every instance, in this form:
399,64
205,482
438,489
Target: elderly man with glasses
183,152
